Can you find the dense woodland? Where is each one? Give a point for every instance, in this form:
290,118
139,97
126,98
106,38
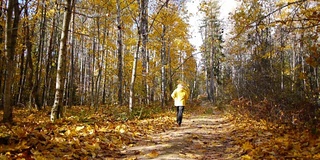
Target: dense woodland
130,54
274,58
67,53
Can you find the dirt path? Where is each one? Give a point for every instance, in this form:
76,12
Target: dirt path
199,137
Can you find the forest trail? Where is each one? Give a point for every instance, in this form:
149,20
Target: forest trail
199,137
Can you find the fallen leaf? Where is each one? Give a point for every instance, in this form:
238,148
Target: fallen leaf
246,157
78,128
247,146
153,154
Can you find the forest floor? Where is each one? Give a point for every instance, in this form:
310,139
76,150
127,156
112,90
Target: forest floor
110,133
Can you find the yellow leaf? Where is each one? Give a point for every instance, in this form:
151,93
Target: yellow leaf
68,133
59,139
247,146
316,156
84,151
190,155
103,129
37,155
153,154
4,157
94,146
213,144
78,128
22,145
136,133
246,157
31,117
121,128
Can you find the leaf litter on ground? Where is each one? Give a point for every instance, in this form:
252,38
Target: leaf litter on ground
83,134
78,135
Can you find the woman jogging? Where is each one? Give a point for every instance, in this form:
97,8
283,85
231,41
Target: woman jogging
180,96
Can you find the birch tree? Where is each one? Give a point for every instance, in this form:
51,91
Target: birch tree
57,108
142,36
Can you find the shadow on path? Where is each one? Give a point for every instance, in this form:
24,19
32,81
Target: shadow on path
199,137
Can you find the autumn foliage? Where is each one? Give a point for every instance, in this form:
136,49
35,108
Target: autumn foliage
270,130
259,69
82,134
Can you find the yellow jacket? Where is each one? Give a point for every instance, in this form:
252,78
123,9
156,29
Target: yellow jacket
180,97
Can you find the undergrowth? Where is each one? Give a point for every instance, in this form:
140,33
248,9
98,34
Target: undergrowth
298,116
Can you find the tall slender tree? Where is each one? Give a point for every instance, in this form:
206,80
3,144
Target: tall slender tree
49,68
57,108
164,46
142,36
11,34
120,52
2,62
212,47
144,54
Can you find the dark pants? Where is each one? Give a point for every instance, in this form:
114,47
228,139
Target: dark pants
180,110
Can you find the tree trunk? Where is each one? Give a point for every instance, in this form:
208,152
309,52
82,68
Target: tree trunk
28,31
144,35
10,46
21,76
2,62
120,46
35,89
57,108
92,72
82,71
47,80
97,70
106,70
133,76
163,62
163,68
72,61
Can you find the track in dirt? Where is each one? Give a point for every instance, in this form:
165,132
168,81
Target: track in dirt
199,137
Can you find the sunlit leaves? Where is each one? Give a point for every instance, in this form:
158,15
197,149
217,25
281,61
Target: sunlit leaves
262,139
175,39
90,135
314,58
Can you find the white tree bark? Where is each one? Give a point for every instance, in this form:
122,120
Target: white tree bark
57,108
